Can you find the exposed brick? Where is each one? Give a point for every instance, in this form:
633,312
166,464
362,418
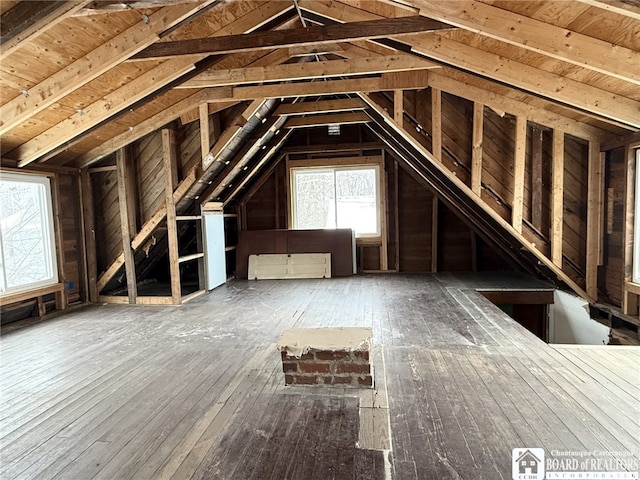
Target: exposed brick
312,367
366,380
306,356
289,367
361,354
288,379
352,368
342,380
329,355
305,379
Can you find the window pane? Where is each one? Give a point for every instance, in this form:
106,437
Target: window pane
357,200
314,199
25,234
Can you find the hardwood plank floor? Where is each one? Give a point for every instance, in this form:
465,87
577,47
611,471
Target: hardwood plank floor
196,392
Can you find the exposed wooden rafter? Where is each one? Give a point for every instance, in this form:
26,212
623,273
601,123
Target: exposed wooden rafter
93,64
292,37
531,34
125,96
589,100
307,71
345,118
27,20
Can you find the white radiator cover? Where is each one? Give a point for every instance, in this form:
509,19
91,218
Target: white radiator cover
292,265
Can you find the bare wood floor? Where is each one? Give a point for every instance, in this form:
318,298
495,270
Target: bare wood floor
196,392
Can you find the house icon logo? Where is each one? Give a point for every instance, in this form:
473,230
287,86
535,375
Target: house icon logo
527,463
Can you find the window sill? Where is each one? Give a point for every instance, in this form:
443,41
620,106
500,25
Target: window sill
29,294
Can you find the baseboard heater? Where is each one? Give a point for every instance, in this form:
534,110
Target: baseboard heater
289,265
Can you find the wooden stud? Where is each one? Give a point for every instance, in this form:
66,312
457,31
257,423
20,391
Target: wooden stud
435,220
517,207
629,300
396,193
169,159
384,246
436,123
90,235
594,219
61,296
205,131
122,161
489,211
398,106
557,197
464,85
536,178
476,154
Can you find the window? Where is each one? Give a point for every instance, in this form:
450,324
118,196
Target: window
27,246
336,197
636,227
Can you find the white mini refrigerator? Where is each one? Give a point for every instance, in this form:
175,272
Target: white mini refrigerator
214,244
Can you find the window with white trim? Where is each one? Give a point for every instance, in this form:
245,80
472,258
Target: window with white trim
636,227
27,241
337,197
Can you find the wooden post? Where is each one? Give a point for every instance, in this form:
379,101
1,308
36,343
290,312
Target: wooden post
434,234
594,219
61,297
384,252
122,161
205,132
557,197
629,300
169,161
518,173
536,178
396,193
436,123
90,235
398,106
476,156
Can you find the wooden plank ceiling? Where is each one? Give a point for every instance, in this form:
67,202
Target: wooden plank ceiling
76,75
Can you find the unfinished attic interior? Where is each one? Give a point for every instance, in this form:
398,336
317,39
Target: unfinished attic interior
188,185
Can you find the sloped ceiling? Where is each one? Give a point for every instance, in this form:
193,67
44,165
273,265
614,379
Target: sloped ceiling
80,79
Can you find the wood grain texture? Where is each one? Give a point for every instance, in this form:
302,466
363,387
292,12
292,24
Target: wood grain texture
119,391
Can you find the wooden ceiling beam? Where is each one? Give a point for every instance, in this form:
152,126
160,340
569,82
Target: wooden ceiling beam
136,90
293,37
619,7
322,106
387,81
307,71
343,118
531,34
136,132
589,100
93,64
27,20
